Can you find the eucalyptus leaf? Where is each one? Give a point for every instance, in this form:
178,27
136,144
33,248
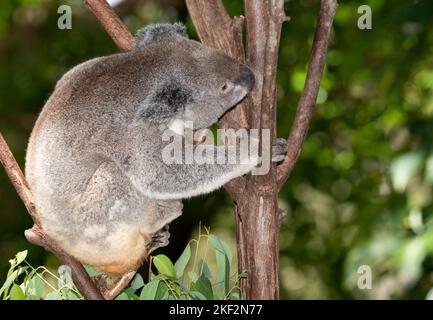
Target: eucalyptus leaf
149,291
203,286
92,272
21,256
72,295
193,277
122,296
164,265
16,293
137,282
204,269
161,291
182,262
36,287
223,258
195,295
8,283
53,295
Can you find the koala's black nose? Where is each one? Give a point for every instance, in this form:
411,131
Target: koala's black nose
246,77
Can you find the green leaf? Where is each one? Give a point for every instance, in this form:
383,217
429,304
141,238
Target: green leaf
21,256
234,296
71,295
92,272
137,282
53,295
221,246
16,293
193,277
162,290
122,296
195,295
131,293
223,257
204,269
36,286
164,265
150,289
182,262
9,280
203,286
168,296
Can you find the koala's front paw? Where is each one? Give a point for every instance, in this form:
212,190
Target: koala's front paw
279,149
159,239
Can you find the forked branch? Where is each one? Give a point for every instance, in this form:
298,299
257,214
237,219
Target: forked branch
307,101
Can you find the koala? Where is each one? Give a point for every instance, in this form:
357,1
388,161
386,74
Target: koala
94,160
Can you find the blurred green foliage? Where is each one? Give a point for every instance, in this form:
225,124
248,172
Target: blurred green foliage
361,192
189,278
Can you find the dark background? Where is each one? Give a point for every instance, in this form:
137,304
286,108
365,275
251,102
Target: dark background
361,193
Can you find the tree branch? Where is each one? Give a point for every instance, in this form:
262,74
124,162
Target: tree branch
276,19
36,235
308,98
111,293
266,118
17,178
112,24
257,15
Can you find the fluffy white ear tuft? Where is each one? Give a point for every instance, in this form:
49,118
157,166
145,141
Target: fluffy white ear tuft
159,32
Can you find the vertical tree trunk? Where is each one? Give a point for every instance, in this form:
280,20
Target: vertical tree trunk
255,197
257,234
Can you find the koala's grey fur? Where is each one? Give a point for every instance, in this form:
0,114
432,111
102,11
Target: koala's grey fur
94,158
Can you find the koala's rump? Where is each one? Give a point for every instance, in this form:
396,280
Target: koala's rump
86,203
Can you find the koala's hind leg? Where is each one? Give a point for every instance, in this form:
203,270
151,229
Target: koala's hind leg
113,221
159,239
163,212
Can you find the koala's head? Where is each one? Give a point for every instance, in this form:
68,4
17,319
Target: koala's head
195,83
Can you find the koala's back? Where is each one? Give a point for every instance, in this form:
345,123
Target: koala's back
87,112
84,200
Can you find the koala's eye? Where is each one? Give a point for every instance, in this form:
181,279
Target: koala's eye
226,87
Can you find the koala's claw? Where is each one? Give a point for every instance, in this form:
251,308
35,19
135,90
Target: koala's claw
279,149
159,239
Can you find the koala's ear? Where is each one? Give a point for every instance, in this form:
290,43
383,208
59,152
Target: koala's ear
165,104
159,32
